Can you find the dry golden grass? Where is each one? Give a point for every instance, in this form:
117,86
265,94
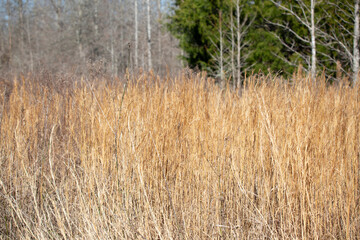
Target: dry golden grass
180,159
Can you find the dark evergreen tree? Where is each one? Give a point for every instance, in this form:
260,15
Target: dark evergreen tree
277,40
195,23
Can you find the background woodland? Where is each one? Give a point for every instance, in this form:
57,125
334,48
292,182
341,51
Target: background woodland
226,38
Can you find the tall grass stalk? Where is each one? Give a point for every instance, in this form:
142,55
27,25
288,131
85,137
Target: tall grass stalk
189,160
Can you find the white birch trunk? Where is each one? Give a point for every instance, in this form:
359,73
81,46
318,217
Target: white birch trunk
232,47
96,17
30,47
238,43
356,54
149,35
78,34
221,50
136,34
159,34
313,41
21,33
112,51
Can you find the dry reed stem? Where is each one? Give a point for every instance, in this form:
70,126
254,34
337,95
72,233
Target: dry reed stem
182,160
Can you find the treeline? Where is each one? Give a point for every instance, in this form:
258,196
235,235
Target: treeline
227,38
75,35
232,37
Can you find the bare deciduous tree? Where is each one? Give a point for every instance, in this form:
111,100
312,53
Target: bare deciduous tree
149,34
305,14
60,35
336,37
136,30
356,54
230,55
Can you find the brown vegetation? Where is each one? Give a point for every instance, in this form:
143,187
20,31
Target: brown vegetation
180,159
5,88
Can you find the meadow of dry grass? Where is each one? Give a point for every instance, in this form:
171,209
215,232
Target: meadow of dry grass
180,159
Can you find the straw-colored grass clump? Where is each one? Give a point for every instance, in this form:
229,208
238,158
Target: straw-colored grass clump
180,159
